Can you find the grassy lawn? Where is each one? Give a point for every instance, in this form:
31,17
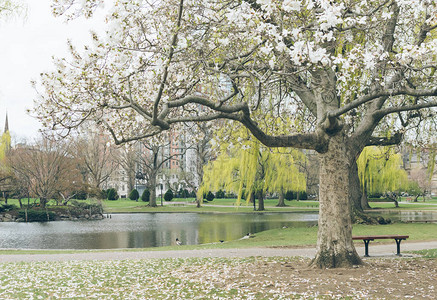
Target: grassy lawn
217,205
429,205
229,205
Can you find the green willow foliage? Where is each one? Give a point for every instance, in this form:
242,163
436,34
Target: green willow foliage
380,170
251,168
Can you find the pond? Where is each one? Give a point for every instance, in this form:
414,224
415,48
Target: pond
144,230
158,229
406,216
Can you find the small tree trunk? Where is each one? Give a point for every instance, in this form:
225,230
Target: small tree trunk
261,201
252,200
281,202
365,201
198,200
20,203
152,188
355,190
335,247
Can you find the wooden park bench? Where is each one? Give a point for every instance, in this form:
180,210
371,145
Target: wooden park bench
367,238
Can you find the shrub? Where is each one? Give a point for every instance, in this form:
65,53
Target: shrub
111,194
36,215
91,208
80,195
134,195
289,195
220,194
8,207
210,196
302,195
145,196
168,196
183,193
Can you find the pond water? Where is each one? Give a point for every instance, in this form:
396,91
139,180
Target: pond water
144,230
410,215
157,229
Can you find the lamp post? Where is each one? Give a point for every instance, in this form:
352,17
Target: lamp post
161,194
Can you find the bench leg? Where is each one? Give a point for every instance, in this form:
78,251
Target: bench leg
366,248
398,245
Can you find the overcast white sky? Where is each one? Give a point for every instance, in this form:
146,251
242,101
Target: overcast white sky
26,48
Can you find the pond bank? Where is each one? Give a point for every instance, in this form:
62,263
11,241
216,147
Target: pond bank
376,251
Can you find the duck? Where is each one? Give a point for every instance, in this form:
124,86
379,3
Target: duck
248,235
178,242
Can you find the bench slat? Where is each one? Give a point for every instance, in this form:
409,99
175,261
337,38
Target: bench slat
377,237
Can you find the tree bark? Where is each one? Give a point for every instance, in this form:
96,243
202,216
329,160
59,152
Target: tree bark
365,201
355,191
261,201
152,189
281,202
335,247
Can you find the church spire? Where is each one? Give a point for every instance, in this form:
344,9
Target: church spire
6,124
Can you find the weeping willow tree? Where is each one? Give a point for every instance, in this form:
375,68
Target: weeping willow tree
251,170
380,172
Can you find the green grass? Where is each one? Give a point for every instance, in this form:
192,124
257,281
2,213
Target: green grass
217,205
123,205
428,253
429,205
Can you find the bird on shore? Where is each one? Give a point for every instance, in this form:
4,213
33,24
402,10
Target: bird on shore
178,242
248,235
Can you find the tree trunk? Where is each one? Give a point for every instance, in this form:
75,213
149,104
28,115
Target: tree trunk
281,202
252,200
355,190
152,189
335,247
365,201
261,201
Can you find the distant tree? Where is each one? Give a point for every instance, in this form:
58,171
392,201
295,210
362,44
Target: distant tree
421,183
220,194
210,196
46,167
145,196
380,171
134,195
112,194
96,158
290,195
168,196
252,169
154,155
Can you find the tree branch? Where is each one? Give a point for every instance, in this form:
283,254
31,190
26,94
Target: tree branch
387,111
386,141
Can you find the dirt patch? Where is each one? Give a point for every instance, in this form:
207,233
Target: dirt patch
377,279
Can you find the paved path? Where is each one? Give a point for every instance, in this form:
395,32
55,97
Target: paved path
385,250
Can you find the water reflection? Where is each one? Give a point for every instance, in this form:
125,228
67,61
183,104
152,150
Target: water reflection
144,230
411,215
157,229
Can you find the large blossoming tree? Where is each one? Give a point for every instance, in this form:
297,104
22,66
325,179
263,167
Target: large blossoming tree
334,75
